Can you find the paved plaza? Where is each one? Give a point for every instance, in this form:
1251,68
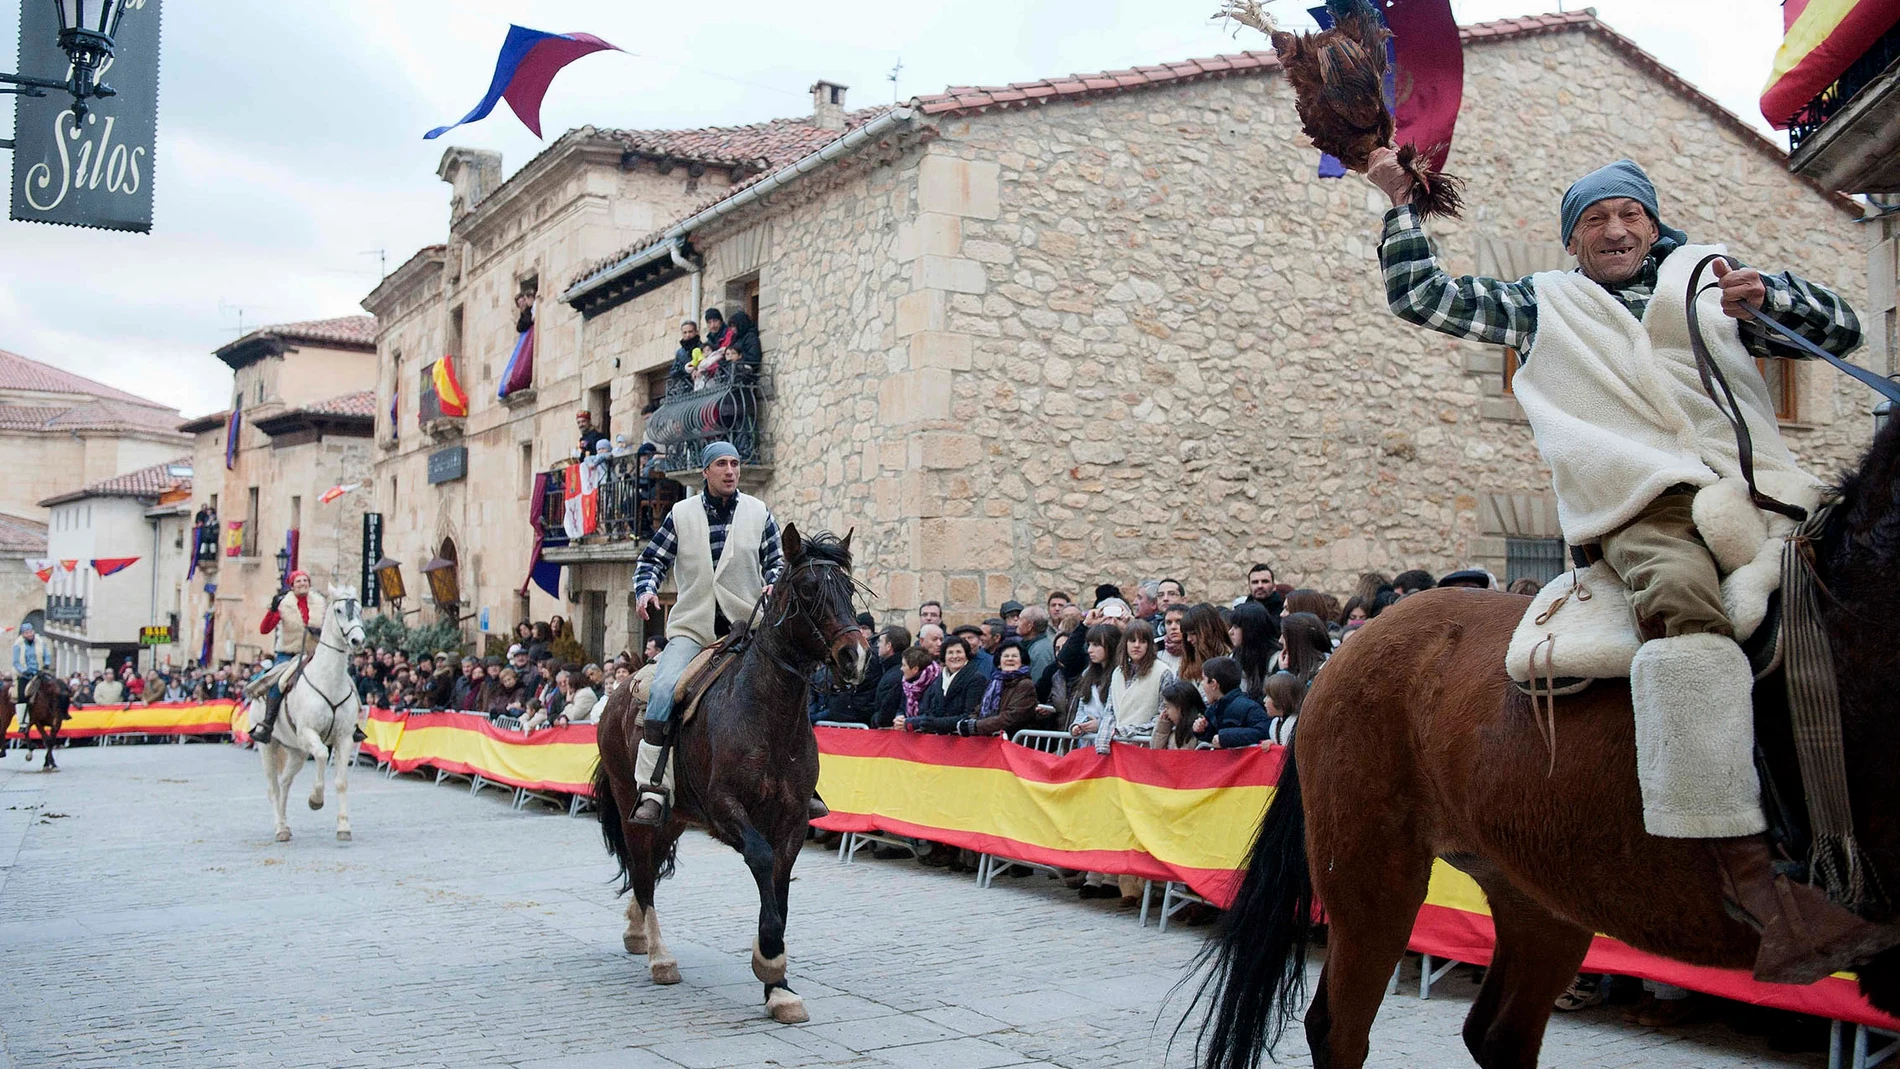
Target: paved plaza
151,922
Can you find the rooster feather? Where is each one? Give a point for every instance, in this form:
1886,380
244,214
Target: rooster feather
1338,79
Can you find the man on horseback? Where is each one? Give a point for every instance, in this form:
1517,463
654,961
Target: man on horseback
296,622
723,548
1621,415
31,656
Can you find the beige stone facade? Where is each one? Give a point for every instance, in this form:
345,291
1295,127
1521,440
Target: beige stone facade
1105,336
60,431
1131,336
307,418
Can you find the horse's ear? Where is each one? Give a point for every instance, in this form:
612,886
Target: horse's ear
792,545
847,540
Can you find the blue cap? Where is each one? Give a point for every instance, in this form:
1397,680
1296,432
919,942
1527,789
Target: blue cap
1620,179
714,451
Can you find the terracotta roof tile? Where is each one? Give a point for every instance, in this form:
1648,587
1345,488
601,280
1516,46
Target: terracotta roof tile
25,373
19,535
355,331
360,403
759,146
145,482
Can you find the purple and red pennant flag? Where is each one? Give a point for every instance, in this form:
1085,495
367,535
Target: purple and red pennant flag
529,60
108,565
1424,77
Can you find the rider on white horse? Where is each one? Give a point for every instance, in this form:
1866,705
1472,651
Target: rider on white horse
296,619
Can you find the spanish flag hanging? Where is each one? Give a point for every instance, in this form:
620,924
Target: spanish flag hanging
448,389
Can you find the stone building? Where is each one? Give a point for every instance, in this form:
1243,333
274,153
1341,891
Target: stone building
94,614
306,411
60,431
456,490
1112,326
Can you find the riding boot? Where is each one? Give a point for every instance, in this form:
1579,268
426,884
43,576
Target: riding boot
273,701
356,733
653,774
816,808
1804,936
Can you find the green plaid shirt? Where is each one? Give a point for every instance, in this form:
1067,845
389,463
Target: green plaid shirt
1505,313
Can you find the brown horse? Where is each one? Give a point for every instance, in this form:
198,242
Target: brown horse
46,704
748,761
1414,744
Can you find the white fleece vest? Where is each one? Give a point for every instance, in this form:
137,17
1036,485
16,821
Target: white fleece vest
732,584
1617,408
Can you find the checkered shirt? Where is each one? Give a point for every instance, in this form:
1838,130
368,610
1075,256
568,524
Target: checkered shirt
657,558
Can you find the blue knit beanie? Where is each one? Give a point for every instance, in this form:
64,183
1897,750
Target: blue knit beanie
714,451
1620,179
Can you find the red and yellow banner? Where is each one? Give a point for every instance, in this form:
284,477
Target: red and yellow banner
448,388
1187,816
159,718
1823,38
556,759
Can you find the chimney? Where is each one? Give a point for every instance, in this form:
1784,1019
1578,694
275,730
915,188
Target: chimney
827,105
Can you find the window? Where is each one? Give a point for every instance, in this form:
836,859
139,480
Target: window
1780,375
525,475
600,406
1540,559
1512,362
250,523
428,403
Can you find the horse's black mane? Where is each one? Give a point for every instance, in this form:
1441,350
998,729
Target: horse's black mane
1868,519
826,548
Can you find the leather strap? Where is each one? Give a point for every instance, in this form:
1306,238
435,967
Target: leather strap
1712,378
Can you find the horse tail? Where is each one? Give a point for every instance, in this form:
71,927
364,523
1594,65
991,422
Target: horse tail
613,832
1257,983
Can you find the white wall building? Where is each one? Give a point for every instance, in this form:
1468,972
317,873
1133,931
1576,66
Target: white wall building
93,620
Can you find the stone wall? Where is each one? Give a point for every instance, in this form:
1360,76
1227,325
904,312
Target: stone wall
1168,351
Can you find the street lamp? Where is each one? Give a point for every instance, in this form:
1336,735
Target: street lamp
389,580
86,32
283,567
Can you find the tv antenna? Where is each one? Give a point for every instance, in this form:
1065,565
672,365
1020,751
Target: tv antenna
382,260
892,78
224,308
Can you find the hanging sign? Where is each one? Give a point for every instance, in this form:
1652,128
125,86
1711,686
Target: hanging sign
372,552
94,170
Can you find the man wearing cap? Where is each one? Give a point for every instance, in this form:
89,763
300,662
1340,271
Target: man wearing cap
722,548
296,621
1619,413
591,437
31,656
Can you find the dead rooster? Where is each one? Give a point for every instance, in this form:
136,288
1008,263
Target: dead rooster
1338,78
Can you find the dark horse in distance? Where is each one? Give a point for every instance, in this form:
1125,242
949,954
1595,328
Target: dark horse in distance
1415,745
46,703
748,761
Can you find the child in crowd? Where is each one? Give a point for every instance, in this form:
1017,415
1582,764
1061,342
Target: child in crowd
1232,719
1181,706
1285,693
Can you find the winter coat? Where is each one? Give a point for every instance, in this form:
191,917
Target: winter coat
939,711
1237,721
890,696
1017,711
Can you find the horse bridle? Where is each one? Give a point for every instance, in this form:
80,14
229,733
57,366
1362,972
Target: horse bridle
305,678
833,642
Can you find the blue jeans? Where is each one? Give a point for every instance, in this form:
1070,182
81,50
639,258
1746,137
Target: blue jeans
276,693
679,653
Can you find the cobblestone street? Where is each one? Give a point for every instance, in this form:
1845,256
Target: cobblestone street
151,922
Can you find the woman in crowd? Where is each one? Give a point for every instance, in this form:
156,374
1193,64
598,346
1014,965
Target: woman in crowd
1369,586
503,695
920,671
1008,704
540,642
955,696
1134,692
1312,601
1255,634
1203,637
1088,706
1285,694
581,694
1181,705
1307,645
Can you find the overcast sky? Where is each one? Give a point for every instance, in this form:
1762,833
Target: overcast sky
290,135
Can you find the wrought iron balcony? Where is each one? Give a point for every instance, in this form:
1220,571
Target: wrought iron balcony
688,419
625,510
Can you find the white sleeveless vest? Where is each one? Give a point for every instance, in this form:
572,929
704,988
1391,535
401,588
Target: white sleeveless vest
1617,408
733,583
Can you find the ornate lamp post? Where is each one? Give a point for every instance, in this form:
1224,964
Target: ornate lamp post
86,32
283,567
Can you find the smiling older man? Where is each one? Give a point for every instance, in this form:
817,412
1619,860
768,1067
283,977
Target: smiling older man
1620,415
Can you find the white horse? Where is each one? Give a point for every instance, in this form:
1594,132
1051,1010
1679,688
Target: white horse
319,716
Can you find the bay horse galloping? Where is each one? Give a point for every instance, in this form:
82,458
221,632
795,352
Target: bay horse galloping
748,761
1414,745
47,700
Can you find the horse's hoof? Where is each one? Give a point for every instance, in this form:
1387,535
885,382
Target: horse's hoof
635,942
283,836
316,803
785,1007
666,972
343,837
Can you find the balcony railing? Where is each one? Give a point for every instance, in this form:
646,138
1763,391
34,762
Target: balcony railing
626,509
687,420
1834,99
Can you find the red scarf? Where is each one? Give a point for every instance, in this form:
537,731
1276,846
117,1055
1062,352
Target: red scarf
303,606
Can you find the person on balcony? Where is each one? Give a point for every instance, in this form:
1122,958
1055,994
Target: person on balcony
745,355
590,436
689,353
723,548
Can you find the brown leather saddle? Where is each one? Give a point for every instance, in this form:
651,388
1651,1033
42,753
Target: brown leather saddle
706,668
